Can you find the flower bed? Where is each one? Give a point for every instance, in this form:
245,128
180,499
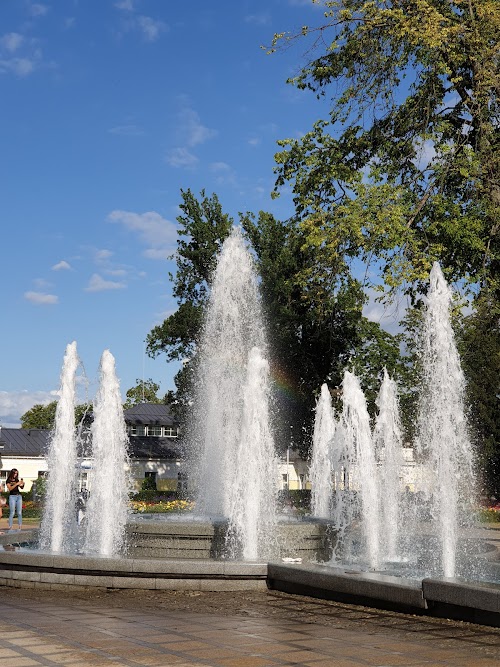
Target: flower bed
31,510
162,507
489,514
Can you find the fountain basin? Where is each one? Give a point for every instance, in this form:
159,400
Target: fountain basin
205,539
476,602
471,601
24,568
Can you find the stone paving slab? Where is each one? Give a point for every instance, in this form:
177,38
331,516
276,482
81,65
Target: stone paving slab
270,629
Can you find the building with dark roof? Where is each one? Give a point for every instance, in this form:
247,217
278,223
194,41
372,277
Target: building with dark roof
154,450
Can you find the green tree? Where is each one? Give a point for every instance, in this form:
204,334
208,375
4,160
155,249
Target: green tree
315,322
203,227
40,416
145,391
405,168
43,416
479,345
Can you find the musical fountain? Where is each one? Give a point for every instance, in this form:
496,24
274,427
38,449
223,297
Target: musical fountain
388,551
369,541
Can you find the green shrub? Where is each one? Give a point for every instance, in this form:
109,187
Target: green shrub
148,484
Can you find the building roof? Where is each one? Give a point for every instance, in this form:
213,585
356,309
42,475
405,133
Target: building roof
150,413
30,442
34,443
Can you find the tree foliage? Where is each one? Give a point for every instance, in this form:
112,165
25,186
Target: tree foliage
313,315
203,227
202,230
479,344
404,170
315,323
43,416
40,416
145,391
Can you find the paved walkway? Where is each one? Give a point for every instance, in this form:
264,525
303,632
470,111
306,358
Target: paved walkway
226,630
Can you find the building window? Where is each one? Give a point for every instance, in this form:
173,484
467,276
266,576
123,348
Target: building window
170,431
155,431
132,429
83,479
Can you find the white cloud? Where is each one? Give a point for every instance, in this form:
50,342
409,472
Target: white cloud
224,174
42,284
125,5
181,157
195,132
150,28
258,19
18,66
154,231
426,152
98,284
388,315
37,9
13,404
61,266
118,273
11,41
39,298
102,255
127,130
158,253
255,141
219,166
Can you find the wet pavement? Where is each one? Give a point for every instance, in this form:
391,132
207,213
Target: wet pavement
253,629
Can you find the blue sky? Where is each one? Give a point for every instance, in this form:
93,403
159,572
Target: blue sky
108,109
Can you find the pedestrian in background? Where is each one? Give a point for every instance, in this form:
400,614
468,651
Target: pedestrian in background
14,485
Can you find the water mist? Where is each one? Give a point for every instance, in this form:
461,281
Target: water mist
388,444
58,526
233,326
443,438
107,507
253,517
356,470
320,472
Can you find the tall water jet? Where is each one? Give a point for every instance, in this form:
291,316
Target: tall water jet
388,444
355,439
58,525
252,521
443,438
320,472
233,326
107,507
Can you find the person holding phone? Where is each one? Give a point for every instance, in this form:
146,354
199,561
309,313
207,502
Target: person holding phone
14,485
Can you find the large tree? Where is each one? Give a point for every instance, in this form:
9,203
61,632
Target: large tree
203,227
479,345
315,323
404,169
313,312
40,416
43,416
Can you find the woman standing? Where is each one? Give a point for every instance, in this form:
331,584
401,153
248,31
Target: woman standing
14,484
